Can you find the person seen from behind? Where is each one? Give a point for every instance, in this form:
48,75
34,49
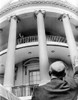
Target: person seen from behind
59,88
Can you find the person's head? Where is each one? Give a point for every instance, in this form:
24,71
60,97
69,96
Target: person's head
57,69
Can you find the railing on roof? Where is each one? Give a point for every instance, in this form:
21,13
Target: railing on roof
35,39
23,90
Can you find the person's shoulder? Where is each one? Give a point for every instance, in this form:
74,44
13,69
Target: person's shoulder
41,86
44,83
35,87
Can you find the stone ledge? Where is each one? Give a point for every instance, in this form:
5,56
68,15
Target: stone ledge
55,3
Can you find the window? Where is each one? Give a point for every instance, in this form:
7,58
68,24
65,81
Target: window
34,77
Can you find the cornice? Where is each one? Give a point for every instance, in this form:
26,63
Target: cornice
53,3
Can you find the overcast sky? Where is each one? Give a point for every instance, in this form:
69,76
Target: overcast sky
4,2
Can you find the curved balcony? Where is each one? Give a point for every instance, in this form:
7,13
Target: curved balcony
25,3
35,39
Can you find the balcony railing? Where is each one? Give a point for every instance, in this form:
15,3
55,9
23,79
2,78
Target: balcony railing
35,39
23,90
29,39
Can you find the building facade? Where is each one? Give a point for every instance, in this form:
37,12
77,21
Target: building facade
33,34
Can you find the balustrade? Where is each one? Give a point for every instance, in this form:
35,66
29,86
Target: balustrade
24,90
35,39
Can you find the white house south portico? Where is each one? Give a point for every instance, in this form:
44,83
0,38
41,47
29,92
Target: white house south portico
36,34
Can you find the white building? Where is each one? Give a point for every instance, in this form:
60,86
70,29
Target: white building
33,34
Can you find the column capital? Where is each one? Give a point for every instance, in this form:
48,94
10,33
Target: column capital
63,16
39,11
14,17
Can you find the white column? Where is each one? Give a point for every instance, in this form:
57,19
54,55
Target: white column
70,38
43,55
1,30
10,59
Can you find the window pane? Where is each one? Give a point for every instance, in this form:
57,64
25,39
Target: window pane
34,77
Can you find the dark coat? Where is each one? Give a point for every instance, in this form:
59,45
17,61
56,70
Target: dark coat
58,89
